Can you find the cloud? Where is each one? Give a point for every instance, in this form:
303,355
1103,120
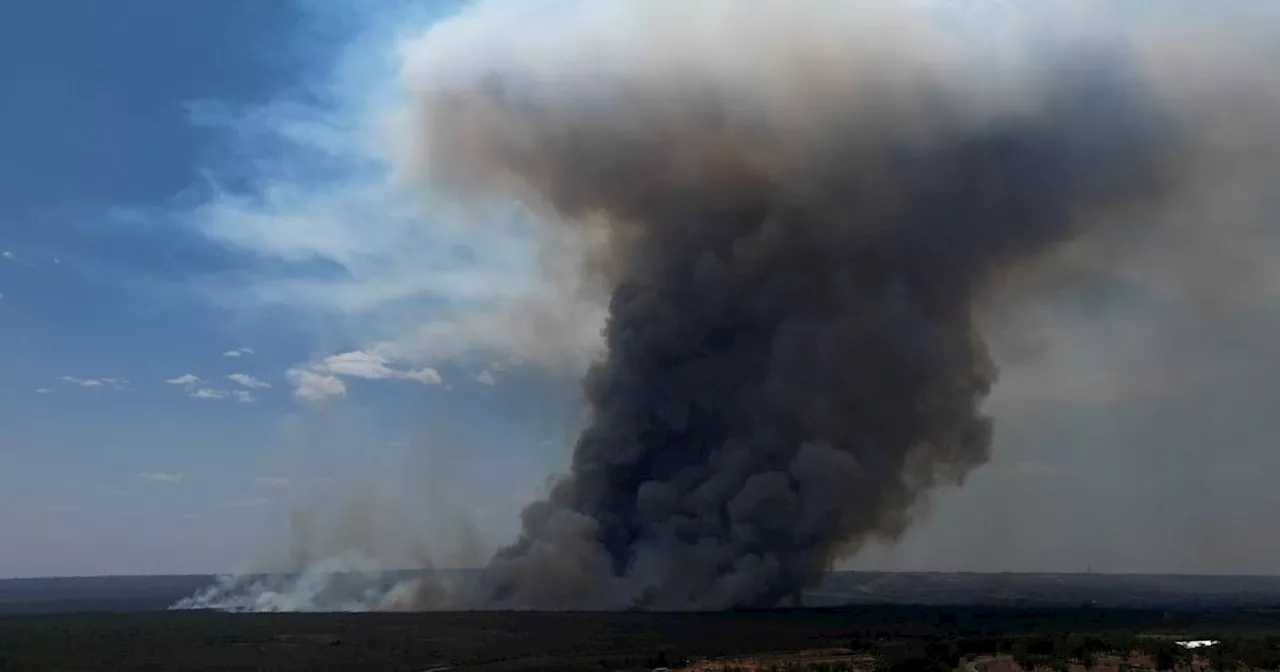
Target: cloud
82,382
321,379
243,396
328,206
313,386
238,352
485,378
370,366
273,482
192,383
248,381
43,390
13,258
161,477
208,393
114,383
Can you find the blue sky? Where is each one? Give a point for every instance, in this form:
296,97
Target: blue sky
224,300
158,337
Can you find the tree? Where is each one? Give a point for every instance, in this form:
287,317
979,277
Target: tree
916,664
1022,656
1218,656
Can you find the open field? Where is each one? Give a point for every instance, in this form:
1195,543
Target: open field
884,637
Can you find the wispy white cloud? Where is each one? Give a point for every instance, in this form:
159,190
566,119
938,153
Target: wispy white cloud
240,396
238,352
321,379
335,214
43,390
243,396
371,366
114,383
485,378
273,482
208,393
313,386
82,382
186,379
11,257
248,381
161,477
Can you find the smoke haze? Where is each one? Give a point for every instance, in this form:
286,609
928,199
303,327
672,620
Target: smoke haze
820,229
798,209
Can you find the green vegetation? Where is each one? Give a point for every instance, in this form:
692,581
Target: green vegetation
1254,652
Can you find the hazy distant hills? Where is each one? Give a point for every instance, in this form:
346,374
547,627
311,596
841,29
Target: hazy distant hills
96,593
149,593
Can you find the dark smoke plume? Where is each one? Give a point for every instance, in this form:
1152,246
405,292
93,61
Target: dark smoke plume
796,209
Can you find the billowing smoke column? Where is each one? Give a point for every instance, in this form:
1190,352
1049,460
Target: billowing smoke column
795,209
796,212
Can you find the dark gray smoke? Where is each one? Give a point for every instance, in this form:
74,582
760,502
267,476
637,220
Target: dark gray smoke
795,210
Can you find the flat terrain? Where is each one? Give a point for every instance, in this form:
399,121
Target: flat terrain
860,638
878,621
150,593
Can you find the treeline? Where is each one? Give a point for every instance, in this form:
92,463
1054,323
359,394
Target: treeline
928,640
1058,652
1163,653
1047,652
